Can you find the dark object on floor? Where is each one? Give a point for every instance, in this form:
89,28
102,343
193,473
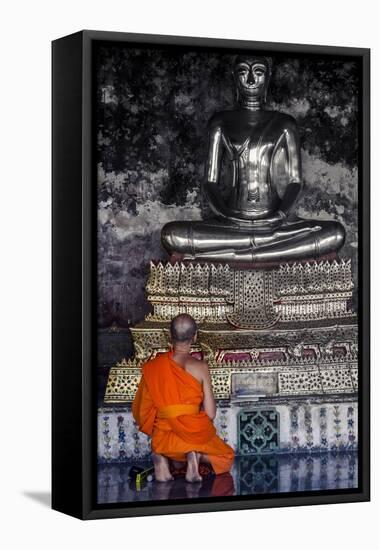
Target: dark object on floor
138,474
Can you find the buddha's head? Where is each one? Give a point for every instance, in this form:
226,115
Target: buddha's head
252,75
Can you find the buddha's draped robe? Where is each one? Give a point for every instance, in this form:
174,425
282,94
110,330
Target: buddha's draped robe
167,408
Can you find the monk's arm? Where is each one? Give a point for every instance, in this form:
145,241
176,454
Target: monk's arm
209,403
143,408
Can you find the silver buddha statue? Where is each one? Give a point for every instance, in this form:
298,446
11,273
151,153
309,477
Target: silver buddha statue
258,224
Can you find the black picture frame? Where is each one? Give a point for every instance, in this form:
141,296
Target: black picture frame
74,283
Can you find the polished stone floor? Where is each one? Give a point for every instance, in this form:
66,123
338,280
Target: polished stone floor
250,475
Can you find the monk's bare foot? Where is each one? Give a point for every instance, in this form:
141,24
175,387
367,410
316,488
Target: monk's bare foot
192,474
161,468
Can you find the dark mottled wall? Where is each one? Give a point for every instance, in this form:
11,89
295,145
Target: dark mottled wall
152,113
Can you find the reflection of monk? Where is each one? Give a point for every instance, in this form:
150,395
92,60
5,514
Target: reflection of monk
174,404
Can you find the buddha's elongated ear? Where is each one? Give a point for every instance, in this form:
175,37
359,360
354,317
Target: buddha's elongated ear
268,77
265,92
235,84
269,65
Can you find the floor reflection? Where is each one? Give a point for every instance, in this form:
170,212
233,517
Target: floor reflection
250,475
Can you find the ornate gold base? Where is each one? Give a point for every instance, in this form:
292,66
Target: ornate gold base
272,332
250,298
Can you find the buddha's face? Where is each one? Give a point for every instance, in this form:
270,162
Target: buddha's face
251,76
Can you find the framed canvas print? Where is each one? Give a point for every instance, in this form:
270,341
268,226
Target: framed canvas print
210,274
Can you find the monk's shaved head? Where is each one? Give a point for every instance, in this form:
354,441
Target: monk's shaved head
183,328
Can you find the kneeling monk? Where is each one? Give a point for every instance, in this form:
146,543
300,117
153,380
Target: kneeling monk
174,404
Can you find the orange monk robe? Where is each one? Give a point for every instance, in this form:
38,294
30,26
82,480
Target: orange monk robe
167,408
